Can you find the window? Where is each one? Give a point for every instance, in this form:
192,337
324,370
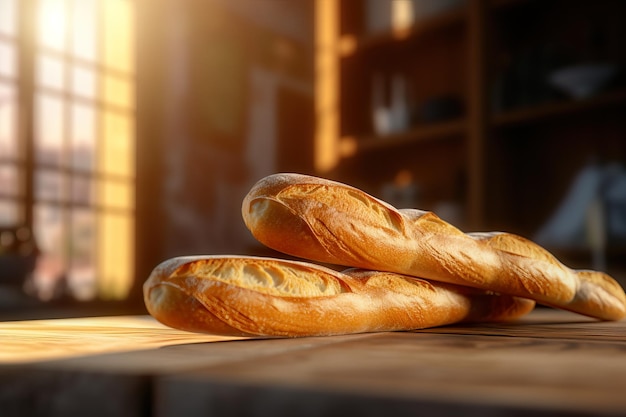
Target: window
67,117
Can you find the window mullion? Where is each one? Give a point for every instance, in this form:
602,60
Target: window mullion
26,93
67,164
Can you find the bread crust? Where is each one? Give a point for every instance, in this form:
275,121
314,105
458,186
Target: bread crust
253,296
331,222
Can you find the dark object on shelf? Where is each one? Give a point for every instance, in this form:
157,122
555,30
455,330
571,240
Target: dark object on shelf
583,81
18,255
438,109
592,215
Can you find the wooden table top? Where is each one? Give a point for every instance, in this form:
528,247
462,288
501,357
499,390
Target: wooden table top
551,362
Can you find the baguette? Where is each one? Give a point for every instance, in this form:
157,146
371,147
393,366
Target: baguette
330,222
254,296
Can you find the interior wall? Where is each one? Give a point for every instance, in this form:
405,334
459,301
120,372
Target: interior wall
211,82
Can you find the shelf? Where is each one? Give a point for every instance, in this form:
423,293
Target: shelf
351,44
477,159
555,109
503,4
420,134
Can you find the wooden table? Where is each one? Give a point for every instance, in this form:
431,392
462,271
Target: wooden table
550,363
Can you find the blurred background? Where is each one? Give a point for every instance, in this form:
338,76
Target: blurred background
130,130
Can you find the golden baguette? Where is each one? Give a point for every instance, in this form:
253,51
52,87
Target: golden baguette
253,296
330,222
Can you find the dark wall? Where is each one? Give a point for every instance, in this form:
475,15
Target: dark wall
223,94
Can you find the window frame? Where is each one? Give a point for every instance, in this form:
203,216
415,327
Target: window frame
25,161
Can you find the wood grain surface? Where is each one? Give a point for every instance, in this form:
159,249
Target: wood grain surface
38,340
550,363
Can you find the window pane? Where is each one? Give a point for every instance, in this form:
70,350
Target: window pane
83,190
83,82
118,152
8,16
8,62
52,23
49,129
50,72
84,29
9,181
118,30
83,137
82,256
116,194
51,236
117,91
10,212
50,185
115,254
8,121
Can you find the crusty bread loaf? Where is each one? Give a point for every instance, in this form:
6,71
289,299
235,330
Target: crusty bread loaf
245,296
330,222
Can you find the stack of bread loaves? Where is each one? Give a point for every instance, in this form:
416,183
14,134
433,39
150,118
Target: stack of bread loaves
409,270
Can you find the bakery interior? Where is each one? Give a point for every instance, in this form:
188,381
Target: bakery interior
131,130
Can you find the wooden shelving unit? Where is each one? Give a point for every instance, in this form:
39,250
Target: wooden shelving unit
558,109
370,42
505,167
430,133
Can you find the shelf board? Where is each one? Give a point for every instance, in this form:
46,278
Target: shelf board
503,4
555,109
353,44
423,133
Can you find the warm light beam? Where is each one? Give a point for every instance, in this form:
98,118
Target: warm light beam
326,86
52,23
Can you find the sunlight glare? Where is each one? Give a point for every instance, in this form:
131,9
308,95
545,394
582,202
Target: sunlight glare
52,23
